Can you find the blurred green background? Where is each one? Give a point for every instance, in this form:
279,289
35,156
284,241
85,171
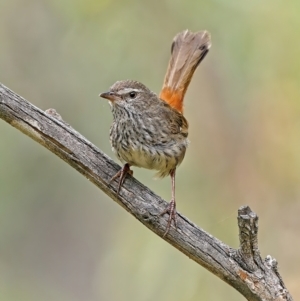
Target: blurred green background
60,237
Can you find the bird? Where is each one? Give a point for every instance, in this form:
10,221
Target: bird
148,130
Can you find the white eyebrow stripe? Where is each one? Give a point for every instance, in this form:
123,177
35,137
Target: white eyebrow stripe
127,90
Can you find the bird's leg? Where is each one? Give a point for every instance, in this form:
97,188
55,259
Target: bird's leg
121,174
171,209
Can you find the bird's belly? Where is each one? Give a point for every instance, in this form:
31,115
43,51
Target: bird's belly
163,159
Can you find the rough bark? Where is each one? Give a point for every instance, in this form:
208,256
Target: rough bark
244,269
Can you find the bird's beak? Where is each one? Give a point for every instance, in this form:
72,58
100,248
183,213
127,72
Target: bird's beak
109,95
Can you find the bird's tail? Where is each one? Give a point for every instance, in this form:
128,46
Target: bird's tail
188,50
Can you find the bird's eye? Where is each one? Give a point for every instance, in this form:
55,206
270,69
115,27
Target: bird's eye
132,94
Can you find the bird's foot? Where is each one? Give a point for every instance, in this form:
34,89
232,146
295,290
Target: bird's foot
121,174
171,210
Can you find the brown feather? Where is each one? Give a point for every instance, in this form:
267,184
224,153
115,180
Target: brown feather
188,50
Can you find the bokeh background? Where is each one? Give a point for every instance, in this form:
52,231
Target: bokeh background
60,237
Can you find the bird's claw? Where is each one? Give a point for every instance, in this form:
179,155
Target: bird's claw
122,175
171,210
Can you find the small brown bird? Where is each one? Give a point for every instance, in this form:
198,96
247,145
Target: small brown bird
150,131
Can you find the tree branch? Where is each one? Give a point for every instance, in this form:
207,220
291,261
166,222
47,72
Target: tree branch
243,269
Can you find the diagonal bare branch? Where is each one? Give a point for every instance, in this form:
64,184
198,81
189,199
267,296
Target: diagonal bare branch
243,269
